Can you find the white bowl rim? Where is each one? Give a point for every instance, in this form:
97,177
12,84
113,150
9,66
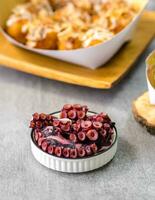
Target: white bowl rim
73,159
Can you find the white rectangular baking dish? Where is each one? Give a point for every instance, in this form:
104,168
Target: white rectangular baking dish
91,57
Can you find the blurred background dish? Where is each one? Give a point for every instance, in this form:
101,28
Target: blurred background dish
67,25
109,40
106,76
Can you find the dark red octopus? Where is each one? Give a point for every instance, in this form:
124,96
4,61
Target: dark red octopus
75,134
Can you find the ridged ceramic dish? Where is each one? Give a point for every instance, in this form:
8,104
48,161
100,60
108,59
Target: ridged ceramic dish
91,57
74,165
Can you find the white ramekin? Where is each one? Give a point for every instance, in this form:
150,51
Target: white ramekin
74,165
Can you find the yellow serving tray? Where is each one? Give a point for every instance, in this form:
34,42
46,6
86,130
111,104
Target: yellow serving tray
104,77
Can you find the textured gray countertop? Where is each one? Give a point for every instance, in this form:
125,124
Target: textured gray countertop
131,175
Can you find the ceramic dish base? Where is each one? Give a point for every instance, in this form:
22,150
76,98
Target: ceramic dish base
74,165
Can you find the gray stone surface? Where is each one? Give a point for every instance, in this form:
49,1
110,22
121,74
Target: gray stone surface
131,175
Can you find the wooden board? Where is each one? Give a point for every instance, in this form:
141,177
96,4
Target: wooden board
103,77
144,112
